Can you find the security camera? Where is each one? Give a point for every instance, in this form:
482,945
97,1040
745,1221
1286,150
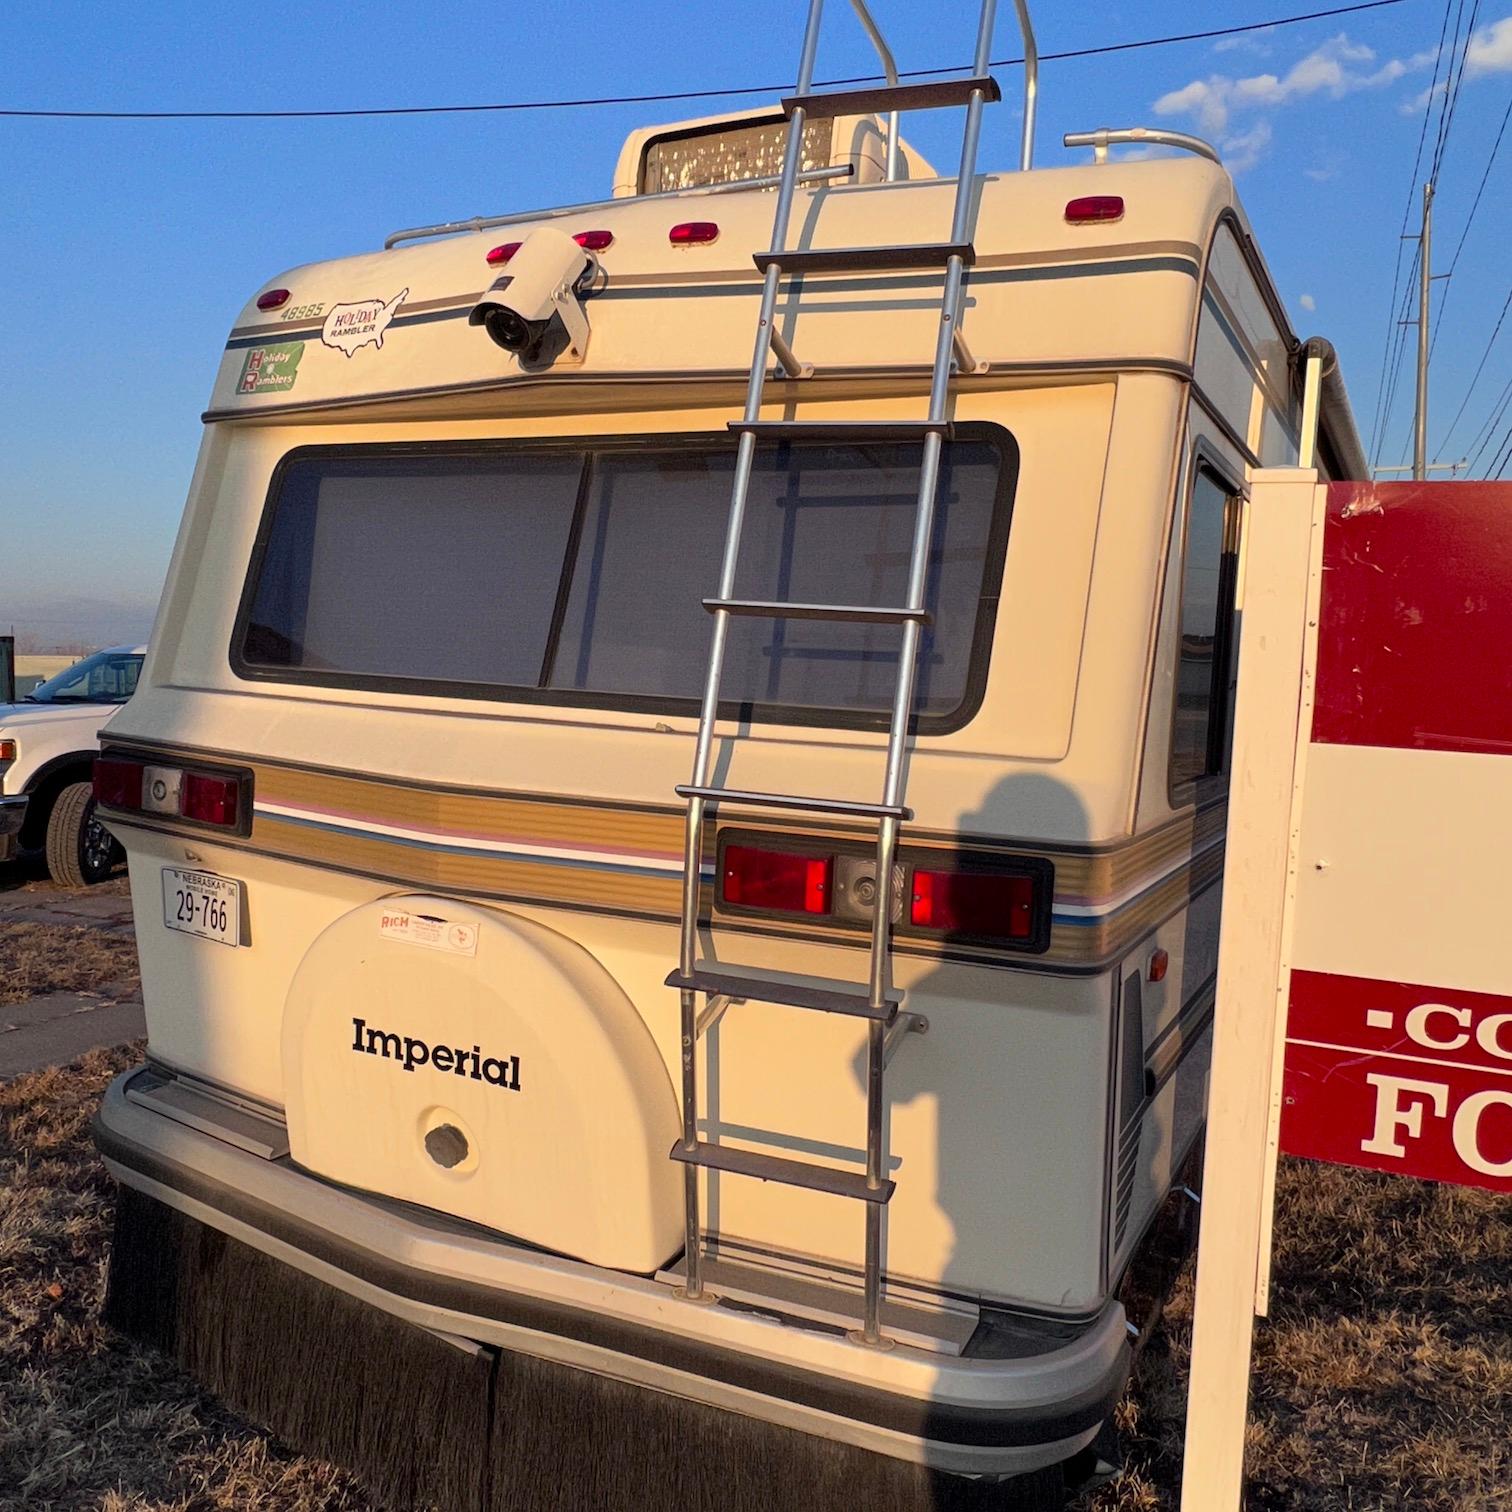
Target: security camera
534,309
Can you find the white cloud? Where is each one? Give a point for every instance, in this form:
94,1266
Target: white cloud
1308,302
1243,150
1490,50
1338,68
1248,42
1333,71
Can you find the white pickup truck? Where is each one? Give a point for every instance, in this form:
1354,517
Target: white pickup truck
47,749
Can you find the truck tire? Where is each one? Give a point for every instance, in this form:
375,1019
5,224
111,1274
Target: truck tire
80,851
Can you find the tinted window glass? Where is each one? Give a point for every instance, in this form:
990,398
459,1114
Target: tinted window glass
105,677
397,567
830,525
579,576
1200,731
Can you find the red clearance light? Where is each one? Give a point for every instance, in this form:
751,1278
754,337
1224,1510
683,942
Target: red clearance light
693,233
1092,209
274,299
983,904
594,241
777,880
118,784
210,799
501,254
1160,963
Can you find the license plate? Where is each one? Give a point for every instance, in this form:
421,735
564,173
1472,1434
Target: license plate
200,903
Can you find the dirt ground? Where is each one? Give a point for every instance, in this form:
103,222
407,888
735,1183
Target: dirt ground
1384,1378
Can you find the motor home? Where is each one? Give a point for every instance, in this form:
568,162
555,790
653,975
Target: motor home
691,883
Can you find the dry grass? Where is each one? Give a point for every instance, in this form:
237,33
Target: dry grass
41,958
1383,1380
86,1419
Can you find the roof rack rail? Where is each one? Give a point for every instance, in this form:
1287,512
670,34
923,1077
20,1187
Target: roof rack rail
1147,136
556,212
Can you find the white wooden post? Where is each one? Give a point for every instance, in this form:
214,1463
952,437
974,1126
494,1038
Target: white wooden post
1283,539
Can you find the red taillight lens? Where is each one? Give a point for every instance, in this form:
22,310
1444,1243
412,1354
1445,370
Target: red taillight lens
210,799
693,233
983,904
7,750
274,299
594,241
500,255
781,881
1092,208
118,784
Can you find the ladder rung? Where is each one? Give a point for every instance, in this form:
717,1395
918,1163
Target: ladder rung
792,801
777,1168
843,430
790,994
867,259
880,99
853,613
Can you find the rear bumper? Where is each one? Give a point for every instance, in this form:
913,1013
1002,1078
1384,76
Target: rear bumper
12,814
972,1414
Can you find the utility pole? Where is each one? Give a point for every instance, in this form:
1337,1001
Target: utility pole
1425,287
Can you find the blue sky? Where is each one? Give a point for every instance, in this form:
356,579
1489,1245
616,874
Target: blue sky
127,247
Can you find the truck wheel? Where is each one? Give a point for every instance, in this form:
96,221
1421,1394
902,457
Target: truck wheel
80,850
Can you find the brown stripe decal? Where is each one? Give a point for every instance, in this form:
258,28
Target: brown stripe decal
626,859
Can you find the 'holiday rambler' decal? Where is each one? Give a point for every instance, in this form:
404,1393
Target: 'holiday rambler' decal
349,327
411,1053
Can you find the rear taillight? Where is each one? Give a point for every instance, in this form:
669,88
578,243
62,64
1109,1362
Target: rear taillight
973,898
221,800
210,799
776,881
7,750
983,905
118,784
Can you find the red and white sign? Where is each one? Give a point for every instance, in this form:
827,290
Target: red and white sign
1399,1030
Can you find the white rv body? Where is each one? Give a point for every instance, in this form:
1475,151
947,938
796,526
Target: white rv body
534,839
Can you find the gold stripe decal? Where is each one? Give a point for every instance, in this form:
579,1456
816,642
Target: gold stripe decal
627,859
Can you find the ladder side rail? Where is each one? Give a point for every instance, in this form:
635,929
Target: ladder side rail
1031,85
709,713
903,695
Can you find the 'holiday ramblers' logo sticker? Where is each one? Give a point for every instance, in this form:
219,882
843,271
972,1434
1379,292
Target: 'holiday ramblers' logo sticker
270,367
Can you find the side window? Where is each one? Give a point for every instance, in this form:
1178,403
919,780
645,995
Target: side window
1205,661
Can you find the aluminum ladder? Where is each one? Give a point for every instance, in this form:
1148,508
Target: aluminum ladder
876,1003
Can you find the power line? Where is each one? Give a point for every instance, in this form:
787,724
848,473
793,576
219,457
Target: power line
1451,97
1484,434
1480,368
1470,219
1454,79
1393,329
684,94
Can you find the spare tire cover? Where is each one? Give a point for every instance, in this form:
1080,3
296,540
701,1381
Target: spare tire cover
478,1063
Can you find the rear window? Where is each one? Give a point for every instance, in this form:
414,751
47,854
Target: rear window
575,574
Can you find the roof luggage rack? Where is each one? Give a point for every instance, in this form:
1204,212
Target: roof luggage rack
1143,136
